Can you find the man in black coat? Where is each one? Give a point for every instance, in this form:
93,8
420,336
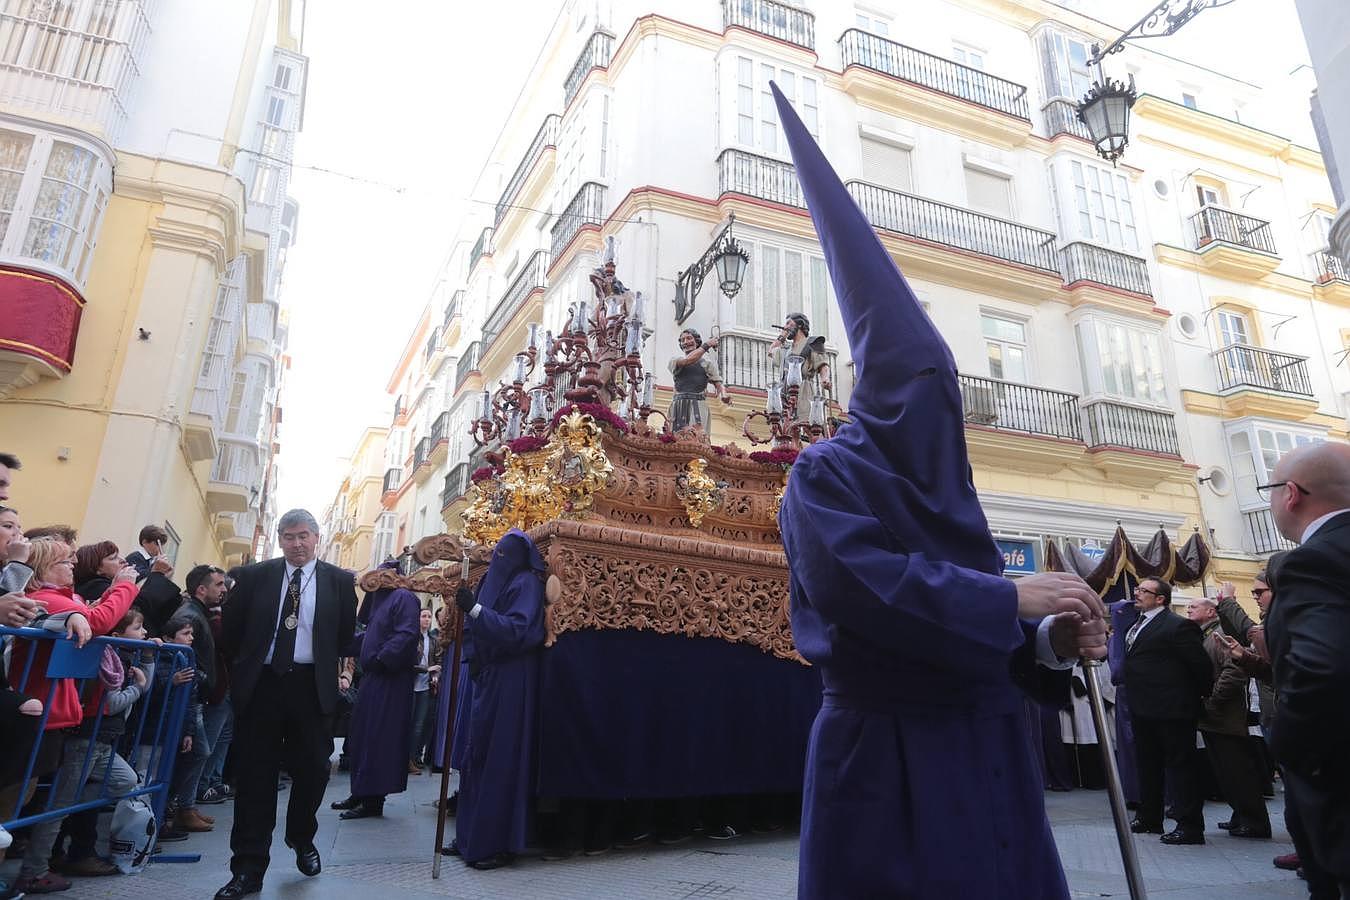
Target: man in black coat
1308,634
287,623
1167,675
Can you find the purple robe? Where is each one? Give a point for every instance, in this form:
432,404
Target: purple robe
498,774
920,775
379,745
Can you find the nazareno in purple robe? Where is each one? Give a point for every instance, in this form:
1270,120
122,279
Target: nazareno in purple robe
920,776
388,654
498,774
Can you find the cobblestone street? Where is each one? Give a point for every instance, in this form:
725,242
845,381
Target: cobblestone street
393,854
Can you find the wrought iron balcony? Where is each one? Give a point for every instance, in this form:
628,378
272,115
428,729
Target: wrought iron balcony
777,20
546,137
392,479
529,279
1330,268
440,428
451,310
871,51
758,176
744,362
956,227
584,209
1114,424
1244,366
1214,223
433,342
1088,262
421,452
1061,117
1262,534
456,484
468,363
482,247
1020,407
595,55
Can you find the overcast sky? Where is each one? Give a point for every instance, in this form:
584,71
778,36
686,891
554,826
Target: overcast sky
402,110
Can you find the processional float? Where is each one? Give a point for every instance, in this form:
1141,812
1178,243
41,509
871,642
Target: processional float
642,528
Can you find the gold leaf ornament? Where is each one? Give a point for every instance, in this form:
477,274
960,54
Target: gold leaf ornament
699,491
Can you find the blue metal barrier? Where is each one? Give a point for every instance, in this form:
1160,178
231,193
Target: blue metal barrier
166,707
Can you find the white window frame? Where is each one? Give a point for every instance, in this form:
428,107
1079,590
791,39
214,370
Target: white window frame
804,92
1158,391
872,22
1103,207
979,167
1258,468
766,315
72,264
1024,345
1074,80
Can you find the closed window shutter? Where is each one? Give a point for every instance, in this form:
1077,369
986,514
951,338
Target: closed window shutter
987,193
886,165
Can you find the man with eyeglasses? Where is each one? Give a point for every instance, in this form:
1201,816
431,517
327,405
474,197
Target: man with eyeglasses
1167,675
1308,634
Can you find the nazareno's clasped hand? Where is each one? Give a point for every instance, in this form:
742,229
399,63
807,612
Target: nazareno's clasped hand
464,599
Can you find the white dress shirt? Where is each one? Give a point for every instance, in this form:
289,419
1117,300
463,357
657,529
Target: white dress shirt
1142,623
304,632
1317,523
1045,651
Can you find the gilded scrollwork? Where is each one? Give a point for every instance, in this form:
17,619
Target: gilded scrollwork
698,491
576,466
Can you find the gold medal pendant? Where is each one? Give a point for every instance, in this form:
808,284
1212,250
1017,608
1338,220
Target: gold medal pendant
291,622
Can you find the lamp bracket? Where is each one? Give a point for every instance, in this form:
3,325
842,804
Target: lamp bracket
690,281
1164,19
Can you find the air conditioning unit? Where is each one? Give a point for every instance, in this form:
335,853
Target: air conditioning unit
981,404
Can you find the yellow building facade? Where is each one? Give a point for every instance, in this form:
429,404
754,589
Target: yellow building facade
141,247
351,519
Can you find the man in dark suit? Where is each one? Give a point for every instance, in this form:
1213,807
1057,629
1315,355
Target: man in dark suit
287,623
1167,675
1308,633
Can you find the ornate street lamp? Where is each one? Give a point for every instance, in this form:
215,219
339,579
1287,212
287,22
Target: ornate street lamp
1105,111
727,256
1106,108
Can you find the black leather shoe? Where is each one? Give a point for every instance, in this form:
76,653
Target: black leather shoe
349,803
1178,836
1140,827
1248,831
363,811
495,861
450,849
307,859
240,886
1226,825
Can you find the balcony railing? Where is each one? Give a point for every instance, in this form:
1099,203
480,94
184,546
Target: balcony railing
433,342
1113,424
529,279
452,309
595,55
1261,531
777,20
468,363
482,247
932,221
1088,262
392,479
421,452
1020,407
236,464
584,209
1244,366
1213,223
546,137
456,484
439,428
1330,268
1061,117
758,176
860,48
744,362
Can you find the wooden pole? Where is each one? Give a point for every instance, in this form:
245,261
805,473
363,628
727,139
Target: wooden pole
457,631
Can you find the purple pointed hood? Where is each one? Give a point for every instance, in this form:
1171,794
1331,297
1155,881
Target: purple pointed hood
906,435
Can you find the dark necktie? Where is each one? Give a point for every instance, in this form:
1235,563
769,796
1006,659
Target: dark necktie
283,651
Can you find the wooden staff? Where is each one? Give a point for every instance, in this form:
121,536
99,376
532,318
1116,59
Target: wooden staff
457,632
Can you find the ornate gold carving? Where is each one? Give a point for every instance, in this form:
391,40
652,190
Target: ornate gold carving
483,522
623,578
777,503
699,491
577,467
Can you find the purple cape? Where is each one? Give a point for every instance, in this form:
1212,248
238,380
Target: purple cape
379,736
920,776
497,775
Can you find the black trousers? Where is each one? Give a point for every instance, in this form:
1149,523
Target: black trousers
1238,770
1164,750
281,724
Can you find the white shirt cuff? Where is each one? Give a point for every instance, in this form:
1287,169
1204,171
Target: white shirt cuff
1045,654
477,608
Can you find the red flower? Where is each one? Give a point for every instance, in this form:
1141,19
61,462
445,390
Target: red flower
527,444
779,456
482,473
597,411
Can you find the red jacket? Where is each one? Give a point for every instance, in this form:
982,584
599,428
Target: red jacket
103,618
